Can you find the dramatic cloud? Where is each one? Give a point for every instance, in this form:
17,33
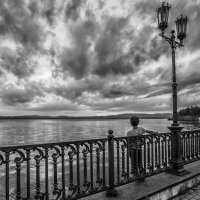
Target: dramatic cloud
13,96
17,22
87,57
73,9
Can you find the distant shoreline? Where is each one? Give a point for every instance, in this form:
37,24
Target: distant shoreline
75,118
119,116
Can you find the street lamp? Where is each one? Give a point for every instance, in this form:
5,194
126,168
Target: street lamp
181,28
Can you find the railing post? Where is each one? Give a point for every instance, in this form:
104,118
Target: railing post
176,162
111,192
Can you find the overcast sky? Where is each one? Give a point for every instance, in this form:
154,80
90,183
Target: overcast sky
93,57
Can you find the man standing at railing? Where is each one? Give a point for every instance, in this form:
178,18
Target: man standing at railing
134,144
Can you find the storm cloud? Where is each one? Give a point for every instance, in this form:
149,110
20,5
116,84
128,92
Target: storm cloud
84,56
16,96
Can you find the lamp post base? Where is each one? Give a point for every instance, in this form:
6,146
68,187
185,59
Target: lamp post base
176,163
177,168
181,172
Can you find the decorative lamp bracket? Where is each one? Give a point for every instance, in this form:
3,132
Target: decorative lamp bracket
169,40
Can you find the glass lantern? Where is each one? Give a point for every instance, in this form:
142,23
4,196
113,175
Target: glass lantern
181,28
163,16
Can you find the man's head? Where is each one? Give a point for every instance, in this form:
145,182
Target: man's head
134,121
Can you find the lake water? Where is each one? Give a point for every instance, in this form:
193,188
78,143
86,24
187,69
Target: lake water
34,131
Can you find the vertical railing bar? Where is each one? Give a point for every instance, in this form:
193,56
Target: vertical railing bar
191,153
55,181
162,147
165,150
104,165
185,138
37,179
169,149
148,155
127,160
189,146
136,158
71,173
28,158
7,160
131,153
63,171
152,154
123,161
91,167
183,146
196,155
186,147
46,174
194,149
78,169
198,150
198,146
159,156
118,163
145,160
195,146
98,166
85,182
18,180
192,146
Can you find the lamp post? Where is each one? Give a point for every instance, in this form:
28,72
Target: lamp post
176,164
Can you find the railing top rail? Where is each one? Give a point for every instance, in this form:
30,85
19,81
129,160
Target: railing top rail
191,131
143,136
49,145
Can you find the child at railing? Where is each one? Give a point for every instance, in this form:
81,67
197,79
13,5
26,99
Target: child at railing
134,146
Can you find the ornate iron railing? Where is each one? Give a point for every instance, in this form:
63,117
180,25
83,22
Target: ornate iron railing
46,171
71,170
190,145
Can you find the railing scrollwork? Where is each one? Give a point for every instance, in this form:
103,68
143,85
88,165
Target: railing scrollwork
71,153
99,180
86,183
38,157
55,156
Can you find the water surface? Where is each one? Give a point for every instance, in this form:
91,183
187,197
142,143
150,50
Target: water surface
34,131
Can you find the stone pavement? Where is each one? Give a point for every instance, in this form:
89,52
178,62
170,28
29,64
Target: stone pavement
191,194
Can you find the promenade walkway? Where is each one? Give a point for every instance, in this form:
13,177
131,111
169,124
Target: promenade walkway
159,187
191,194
